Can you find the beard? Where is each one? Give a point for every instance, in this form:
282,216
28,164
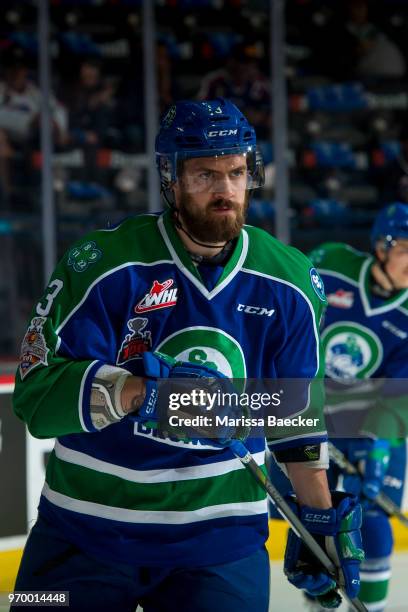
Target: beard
209,227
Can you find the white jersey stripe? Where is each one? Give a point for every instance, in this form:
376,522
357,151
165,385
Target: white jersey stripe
152,476
375,576
158,517
81,396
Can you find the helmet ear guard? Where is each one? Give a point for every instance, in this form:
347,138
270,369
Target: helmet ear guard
385,243
167,170
256,170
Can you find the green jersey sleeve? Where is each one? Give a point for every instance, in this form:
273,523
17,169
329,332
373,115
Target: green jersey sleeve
53,381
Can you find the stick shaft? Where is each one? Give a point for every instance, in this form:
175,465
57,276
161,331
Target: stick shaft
288,513
285,510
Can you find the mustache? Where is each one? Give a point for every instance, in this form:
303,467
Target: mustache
221,203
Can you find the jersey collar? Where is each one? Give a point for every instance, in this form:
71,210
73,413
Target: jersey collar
364,286
183,261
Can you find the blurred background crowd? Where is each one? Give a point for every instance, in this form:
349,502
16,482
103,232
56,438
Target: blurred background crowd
346,77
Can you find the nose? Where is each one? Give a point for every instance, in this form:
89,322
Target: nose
224,186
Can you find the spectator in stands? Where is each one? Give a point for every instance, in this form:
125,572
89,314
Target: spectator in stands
242,81
20,106
376,54
360,49
353,45
92,104
131,95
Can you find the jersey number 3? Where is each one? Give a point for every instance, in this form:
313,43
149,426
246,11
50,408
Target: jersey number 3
54,288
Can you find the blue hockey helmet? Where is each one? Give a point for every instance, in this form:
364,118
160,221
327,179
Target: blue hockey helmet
390,224
207,128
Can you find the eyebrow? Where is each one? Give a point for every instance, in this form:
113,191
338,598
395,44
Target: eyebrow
200,168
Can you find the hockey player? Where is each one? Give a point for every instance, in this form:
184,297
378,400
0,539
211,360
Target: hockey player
364,336
128,514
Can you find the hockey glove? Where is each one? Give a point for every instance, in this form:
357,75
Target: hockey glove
337,530
375,455
186,378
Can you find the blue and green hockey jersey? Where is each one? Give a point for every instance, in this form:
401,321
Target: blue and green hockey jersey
124,493
363,337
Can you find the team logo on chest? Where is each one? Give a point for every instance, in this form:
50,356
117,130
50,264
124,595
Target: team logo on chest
201,345
341,299
161,295
351,350
135,343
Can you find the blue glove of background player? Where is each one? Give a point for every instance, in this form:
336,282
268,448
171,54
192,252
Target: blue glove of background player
376,456
154,411
337,530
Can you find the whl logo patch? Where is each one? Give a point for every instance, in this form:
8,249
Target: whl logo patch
161,295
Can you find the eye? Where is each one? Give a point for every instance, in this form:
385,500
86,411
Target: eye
238,172
205,175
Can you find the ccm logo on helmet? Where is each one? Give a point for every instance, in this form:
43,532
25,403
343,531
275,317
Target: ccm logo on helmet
222,133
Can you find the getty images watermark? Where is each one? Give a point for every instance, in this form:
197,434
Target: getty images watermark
219,400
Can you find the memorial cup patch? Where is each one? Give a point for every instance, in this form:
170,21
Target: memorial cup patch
34,348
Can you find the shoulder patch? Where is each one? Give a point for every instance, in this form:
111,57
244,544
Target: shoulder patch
34,347
81,257
317,284
317,255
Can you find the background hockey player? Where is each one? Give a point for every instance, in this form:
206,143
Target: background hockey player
128,515
364,336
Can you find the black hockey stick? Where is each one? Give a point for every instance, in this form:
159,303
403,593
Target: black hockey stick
382,500
240,451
